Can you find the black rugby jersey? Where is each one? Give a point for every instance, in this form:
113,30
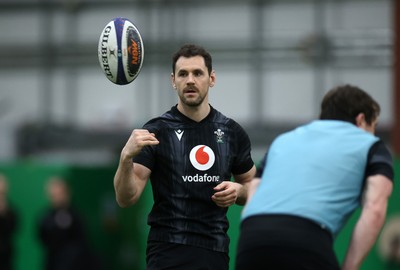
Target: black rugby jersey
190,160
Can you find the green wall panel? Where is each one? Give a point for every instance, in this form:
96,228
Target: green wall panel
26,191
118,236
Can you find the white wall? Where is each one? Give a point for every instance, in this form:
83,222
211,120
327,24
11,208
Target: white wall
288,93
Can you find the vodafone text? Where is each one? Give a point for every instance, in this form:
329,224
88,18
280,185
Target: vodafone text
201,178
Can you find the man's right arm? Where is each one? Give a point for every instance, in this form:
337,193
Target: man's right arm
131,178
129,182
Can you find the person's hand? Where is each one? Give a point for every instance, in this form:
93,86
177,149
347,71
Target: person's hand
138,139
226,193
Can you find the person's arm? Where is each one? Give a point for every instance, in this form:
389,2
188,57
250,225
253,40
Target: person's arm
131,178
244,180
253,185
377,191
228,192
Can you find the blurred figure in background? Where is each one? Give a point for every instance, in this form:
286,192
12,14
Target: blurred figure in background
61,231
8,226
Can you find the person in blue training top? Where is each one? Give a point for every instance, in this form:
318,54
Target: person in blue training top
309,183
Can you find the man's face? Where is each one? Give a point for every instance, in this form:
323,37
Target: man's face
192,80
58,193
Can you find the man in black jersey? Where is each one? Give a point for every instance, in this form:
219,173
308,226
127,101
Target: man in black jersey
189,154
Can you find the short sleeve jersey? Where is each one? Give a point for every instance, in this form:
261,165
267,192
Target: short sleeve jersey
190,160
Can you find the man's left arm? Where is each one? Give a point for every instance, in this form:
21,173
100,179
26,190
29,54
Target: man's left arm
228,192
366,231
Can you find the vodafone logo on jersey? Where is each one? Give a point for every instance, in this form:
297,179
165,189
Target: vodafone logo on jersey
202,157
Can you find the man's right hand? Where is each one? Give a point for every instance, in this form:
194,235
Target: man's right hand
138,139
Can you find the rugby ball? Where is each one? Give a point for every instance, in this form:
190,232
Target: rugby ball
121,51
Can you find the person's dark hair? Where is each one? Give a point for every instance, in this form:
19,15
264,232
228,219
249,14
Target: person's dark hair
345,102
190,50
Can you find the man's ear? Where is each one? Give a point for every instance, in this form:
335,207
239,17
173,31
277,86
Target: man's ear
360,120
212,78
173,81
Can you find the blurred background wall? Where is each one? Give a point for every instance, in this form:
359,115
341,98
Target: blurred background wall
274,61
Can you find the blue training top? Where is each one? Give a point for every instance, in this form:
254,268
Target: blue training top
315,171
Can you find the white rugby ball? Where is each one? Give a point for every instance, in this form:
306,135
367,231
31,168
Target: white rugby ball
121,51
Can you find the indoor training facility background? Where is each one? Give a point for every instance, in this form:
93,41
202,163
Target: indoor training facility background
274,61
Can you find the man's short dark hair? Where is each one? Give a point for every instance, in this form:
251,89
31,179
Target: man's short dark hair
190,50
345,102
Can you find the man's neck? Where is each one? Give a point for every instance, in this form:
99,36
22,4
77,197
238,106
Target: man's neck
196,113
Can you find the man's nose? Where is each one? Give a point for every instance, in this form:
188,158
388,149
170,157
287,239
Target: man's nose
190,79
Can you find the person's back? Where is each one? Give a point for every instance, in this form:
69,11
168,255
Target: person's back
315,171
310,181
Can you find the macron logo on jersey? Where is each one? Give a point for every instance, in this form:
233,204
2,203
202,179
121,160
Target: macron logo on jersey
179,134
